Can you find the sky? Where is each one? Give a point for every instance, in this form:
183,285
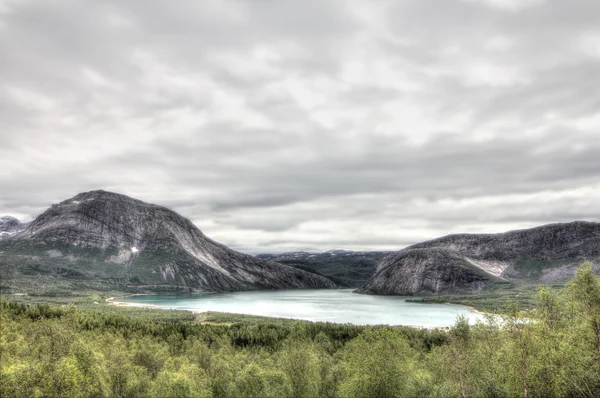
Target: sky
307,125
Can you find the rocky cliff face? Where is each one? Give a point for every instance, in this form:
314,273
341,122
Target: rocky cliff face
103,236
469,262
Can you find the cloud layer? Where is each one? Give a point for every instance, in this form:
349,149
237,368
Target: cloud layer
307,125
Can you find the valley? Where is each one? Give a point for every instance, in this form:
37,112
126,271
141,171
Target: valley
202,320
103,242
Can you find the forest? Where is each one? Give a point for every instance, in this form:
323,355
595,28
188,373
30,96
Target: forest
550,350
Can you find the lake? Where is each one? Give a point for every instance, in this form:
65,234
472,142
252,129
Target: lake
323,305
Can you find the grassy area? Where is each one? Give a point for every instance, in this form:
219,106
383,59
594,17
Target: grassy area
495,299
223,318
59,297
66,276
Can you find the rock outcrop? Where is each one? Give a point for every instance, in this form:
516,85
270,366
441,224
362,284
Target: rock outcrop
470,262
105,236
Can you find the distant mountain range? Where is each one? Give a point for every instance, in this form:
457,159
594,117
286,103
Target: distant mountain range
345,268
100,240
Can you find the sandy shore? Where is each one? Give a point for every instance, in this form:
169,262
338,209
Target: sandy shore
113,301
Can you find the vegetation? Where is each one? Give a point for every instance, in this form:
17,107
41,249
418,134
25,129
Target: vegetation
346,269
496,298
551,350
37,274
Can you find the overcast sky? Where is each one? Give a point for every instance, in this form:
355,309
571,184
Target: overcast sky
281,125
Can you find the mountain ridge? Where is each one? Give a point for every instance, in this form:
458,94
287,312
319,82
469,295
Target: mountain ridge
346,268
460,263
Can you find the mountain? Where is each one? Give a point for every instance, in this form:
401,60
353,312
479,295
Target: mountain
345,268
106,240
470,262
8,223
9,226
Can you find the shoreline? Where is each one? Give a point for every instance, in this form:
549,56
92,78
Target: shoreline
475,310
114,301
470,307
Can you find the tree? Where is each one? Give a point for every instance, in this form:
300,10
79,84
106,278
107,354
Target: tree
300,362
585,289
378,363
181,379
257,382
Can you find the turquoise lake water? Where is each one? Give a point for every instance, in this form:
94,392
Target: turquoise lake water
327,305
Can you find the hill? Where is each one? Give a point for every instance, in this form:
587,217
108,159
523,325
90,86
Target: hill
470,262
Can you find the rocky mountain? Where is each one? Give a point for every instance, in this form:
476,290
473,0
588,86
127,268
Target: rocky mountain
9,226
470,262
345,268
103,239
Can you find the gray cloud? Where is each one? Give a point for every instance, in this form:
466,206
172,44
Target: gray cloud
307,125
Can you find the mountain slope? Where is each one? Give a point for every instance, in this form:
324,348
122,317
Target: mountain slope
346,268
101,238
470,262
